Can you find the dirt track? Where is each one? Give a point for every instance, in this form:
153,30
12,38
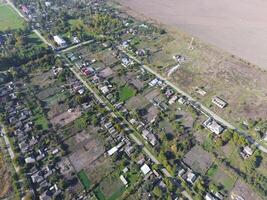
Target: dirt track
237,26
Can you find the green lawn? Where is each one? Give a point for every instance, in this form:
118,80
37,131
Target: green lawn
9,19
126,93
99,194
41,121
84,179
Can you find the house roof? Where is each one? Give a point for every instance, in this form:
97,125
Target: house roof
145,169
112,151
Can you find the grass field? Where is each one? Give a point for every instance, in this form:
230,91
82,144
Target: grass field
99,194
220,176
9,19
126,93
84,179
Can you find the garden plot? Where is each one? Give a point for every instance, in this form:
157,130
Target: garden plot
110,188
221,176
66,117
42,80
131,78
50,91
186,118
99,168
138,101
57,104
198,159
108,59
87,150
244,191
152,113
152,94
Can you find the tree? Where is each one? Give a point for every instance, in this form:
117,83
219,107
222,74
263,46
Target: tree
219,142
157,192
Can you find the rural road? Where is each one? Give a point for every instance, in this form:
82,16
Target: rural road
42,38
8,145
10,151
76,46
197,104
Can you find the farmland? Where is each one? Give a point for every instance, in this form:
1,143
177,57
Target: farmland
9,19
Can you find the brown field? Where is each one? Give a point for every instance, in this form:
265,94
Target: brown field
243,190
237,26
241,84
5,179
66,117
87,150
100,168
42,79
198,159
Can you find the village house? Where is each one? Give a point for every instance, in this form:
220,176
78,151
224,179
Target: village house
208,196
59,41
246,152
150,137
213,126
190,177
145,169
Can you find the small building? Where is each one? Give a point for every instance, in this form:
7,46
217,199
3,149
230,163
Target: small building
209,197
191,177
247,152
213,126
60,42
104,89
29,160
201,91
173,99
150,137
112,151
154,82
181,100
125,182
145,169
219,102
75,40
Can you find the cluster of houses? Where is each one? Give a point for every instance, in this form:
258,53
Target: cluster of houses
31,152
77,87
118,140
